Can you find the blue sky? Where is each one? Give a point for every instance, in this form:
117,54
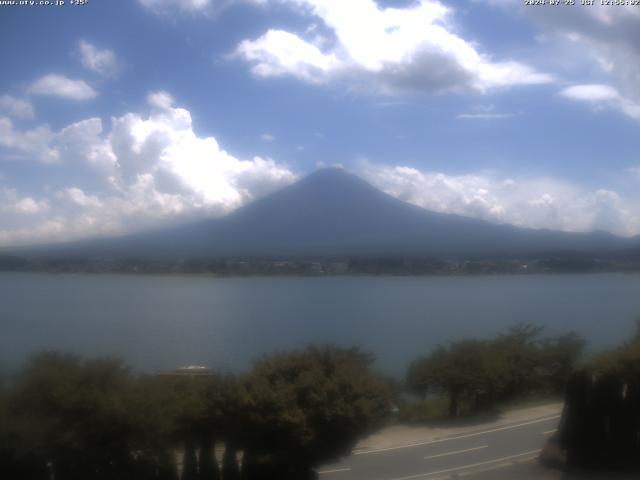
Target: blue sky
117,116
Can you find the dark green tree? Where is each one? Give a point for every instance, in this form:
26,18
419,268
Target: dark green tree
78,416
520,346
230,468
304,408
478,374
469,372
188,413
558,359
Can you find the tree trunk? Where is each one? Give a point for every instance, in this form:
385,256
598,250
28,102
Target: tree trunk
190,462
230,470
208,465
250,470
166,467
453,403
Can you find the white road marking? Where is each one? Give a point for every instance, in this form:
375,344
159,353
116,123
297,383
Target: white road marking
549,431
335,470
456,452
471,465
469,435
493,467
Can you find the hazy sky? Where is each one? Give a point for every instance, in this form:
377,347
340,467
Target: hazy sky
123,115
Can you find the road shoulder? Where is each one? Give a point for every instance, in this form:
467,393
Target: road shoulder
401,436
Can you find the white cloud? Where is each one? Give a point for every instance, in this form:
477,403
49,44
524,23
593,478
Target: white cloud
160,100
386,50
591,93
278,53
267,137
486,112
526,202
183,5
16,107
103,62
145,171
83,143
53,229
165,146
11,203
80,198
603,96
596,42
61,86
34,144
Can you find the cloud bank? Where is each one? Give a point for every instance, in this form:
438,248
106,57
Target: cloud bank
598,41
151,169
525,202
382,50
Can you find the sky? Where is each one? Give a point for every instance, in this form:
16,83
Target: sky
118,116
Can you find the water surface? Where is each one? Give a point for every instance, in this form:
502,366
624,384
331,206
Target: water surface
161,322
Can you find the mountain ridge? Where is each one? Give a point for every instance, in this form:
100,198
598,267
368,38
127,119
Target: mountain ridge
332,212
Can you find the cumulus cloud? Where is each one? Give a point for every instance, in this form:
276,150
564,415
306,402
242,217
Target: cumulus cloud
79,198
160,100
526,202
16,107
595,42
82,143
278,53
33,144
12,203
144,171
63,87
388,50
102,62
603,96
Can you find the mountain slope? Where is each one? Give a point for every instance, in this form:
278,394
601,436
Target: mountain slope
331,212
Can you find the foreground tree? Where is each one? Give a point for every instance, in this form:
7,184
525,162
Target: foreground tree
305,408
468,371
559,357
20,455
520,347
187,413
75,415
600,426
476,375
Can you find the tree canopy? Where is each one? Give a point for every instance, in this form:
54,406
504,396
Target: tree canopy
88,419
308,407
480,373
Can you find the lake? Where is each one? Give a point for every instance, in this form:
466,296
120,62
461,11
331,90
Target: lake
162,322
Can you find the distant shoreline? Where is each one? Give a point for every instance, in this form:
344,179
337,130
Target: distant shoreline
327,266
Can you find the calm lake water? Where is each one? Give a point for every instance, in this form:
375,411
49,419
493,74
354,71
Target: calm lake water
162,322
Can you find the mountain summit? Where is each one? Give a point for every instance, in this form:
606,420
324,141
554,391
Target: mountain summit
332,212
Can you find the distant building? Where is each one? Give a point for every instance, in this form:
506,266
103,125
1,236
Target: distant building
192,371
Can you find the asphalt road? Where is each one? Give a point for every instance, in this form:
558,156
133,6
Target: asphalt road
507,451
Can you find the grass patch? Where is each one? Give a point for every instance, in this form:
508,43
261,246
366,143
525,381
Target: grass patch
430,410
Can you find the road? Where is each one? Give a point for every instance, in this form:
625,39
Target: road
505,451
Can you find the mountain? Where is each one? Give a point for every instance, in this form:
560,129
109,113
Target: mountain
332,212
